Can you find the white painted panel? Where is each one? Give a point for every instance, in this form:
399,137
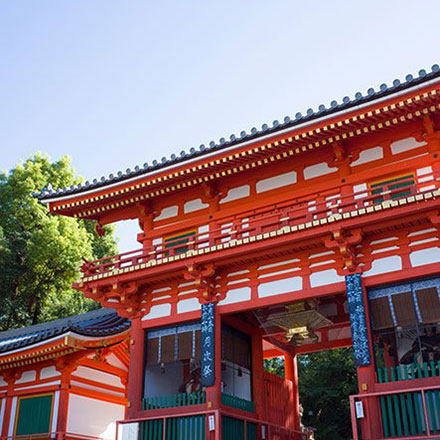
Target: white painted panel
27,376
188,305
32,387
170,211
3,383
405,145
56,401
423,171
276,182
128,431
113,360
325,277
320,169
48,372
236,193
194,205
425,256
158,311
384,265
369,155
12,417
236,295
280,286
93,417
2,412
98,376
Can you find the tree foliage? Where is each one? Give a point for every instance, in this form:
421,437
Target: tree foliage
326,379
40,254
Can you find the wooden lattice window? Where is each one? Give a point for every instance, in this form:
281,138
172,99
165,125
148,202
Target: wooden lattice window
405,310
429,305
34,415
393,184
381,313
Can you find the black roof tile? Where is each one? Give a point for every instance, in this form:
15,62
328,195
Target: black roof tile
335,107
98,323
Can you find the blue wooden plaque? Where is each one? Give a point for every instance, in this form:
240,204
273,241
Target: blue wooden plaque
358,323
208,352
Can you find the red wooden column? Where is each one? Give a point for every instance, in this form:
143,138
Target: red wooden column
9,377
63,404
258,374
291,373
136,368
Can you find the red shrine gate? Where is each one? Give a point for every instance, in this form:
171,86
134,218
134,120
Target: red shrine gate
319,232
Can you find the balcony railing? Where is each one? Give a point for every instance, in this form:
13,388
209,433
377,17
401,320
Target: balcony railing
294,214
416,370
237,402
412,413
174,400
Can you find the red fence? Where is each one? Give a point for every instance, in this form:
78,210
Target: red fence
289,216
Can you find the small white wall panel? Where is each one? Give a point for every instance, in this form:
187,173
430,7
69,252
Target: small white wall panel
93,417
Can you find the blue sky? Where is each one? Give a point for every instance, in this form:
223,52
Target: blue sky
114,84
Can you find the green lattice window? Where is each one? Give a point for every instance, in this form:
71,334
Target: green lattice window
34,415
179,240
393,185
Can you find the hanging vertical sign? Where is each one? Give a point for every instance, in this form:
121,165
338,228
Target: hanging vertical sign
358,322
208,334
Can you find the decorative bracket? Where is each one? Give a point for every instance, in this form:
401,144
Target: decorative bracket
204,279
345,242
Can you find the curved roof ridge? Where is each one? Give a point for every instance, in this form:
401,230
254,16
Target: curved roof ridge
100,322
222,143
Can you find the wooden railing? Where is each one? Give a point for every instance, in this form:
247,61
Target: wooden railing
293,214
174,400
406,414
416,370
237,402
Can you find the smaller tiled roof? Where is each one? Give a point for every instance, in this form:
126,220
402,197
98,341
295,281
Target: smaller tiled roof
98,323
254,134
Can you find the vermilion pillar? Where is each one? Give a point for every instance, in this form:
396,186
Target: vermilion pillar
136,368
291,373
257,373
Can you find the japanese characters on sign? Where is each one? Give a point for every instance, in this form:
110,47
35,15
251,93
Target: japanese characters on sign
208,365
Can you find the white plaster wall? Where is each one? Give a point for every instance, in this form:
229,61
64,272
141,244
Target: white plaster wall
98,376
56,405
325,277
384,265
276,182
48,372
2,382
194,205
158,311
2,412
405,145
188,305
369,155
170,211
12,418
93,417
236,295
320,169
279,287
236,193
425,256
113,360
27,376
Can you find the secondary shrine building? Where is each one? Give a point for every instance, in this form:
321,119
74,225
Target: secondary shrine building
314,233
64,379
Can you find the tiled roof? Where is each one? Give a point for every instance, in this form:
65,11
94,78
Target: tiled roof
98,323
311,114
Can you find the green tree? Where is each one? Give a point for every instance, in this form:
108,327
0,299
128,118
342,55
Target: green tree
40,254
326,379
